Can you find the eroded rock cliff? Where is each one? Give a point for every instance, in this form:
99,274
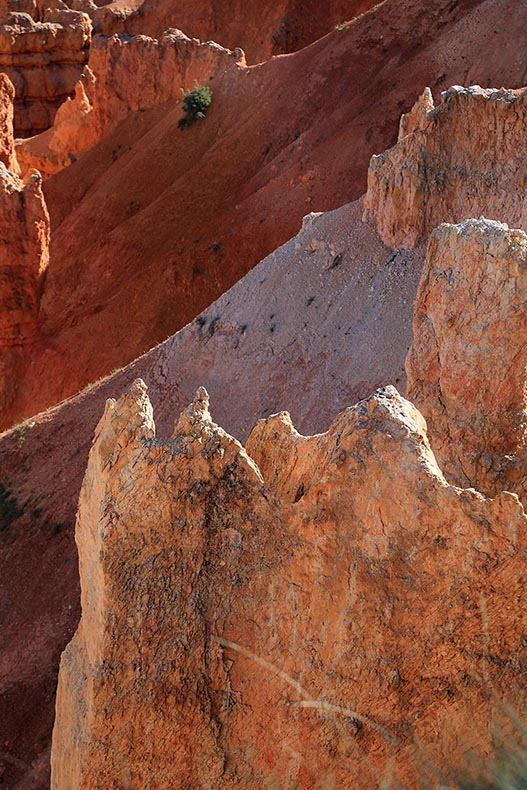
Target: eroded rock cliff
261,28
7,142
467,365
43,52
459,160
299,621
24,256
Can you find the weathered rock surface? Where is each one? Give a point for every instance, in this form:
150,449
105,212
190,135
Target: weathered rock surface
124,75
261,29
323,322
294,625
24,257
7,142
468,361
44,57
459,160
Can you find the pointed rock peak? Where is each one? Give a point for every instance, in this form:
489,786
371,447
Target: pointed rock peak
414,119
195,417
275,426
126,420
386,404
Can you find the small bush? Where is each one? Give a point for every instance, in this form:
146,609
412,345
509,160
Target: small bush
195,103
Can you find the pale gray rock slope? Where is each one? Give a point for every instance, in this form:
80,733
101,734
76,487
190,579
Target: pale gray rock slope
321,322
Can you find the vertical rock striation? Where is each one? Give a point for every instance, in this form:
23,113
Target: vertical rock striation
7,142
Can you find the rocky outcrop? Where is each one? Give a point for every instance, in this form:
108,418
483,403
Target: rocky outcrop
24,256
461,159
467,365
262,29
7,142
294,621
24,230
124,75
43,54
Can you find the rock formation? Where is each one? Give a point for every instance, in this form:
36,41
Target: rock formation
261,29
151,225
297,623
24,234
467,368
124,75
43,57
459,160
7,142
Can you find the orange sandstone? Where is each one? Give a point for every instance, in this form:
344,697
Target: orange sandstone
297,613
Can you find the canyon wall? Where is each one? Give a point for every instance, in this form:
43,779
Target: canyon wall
7,142
124,75
262,28
24,257
43,52
299,612
427,178
467,365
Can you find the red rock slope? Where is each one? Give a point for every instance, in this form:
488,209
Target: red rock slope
152,224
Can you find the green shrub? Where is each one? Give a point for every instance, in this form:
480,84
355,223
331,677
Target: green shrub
195,103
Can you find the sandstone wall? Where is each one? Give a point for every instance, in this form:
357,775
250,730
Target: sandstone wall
43,54
300,621
459,160
7,142
467,367
24,256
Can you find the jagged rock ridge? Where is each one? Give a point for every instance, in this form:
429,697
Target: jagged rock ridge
459,160
290,618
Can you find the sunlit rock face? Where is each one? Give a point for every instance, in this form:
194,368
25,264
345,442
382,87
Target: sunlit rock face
467,365
297,612
461,159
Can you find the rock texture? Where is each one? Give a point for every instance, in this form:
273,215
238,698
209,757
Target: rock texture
124,75
468,361
43,54
261,28
461,159
24,257
283,625
7,142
